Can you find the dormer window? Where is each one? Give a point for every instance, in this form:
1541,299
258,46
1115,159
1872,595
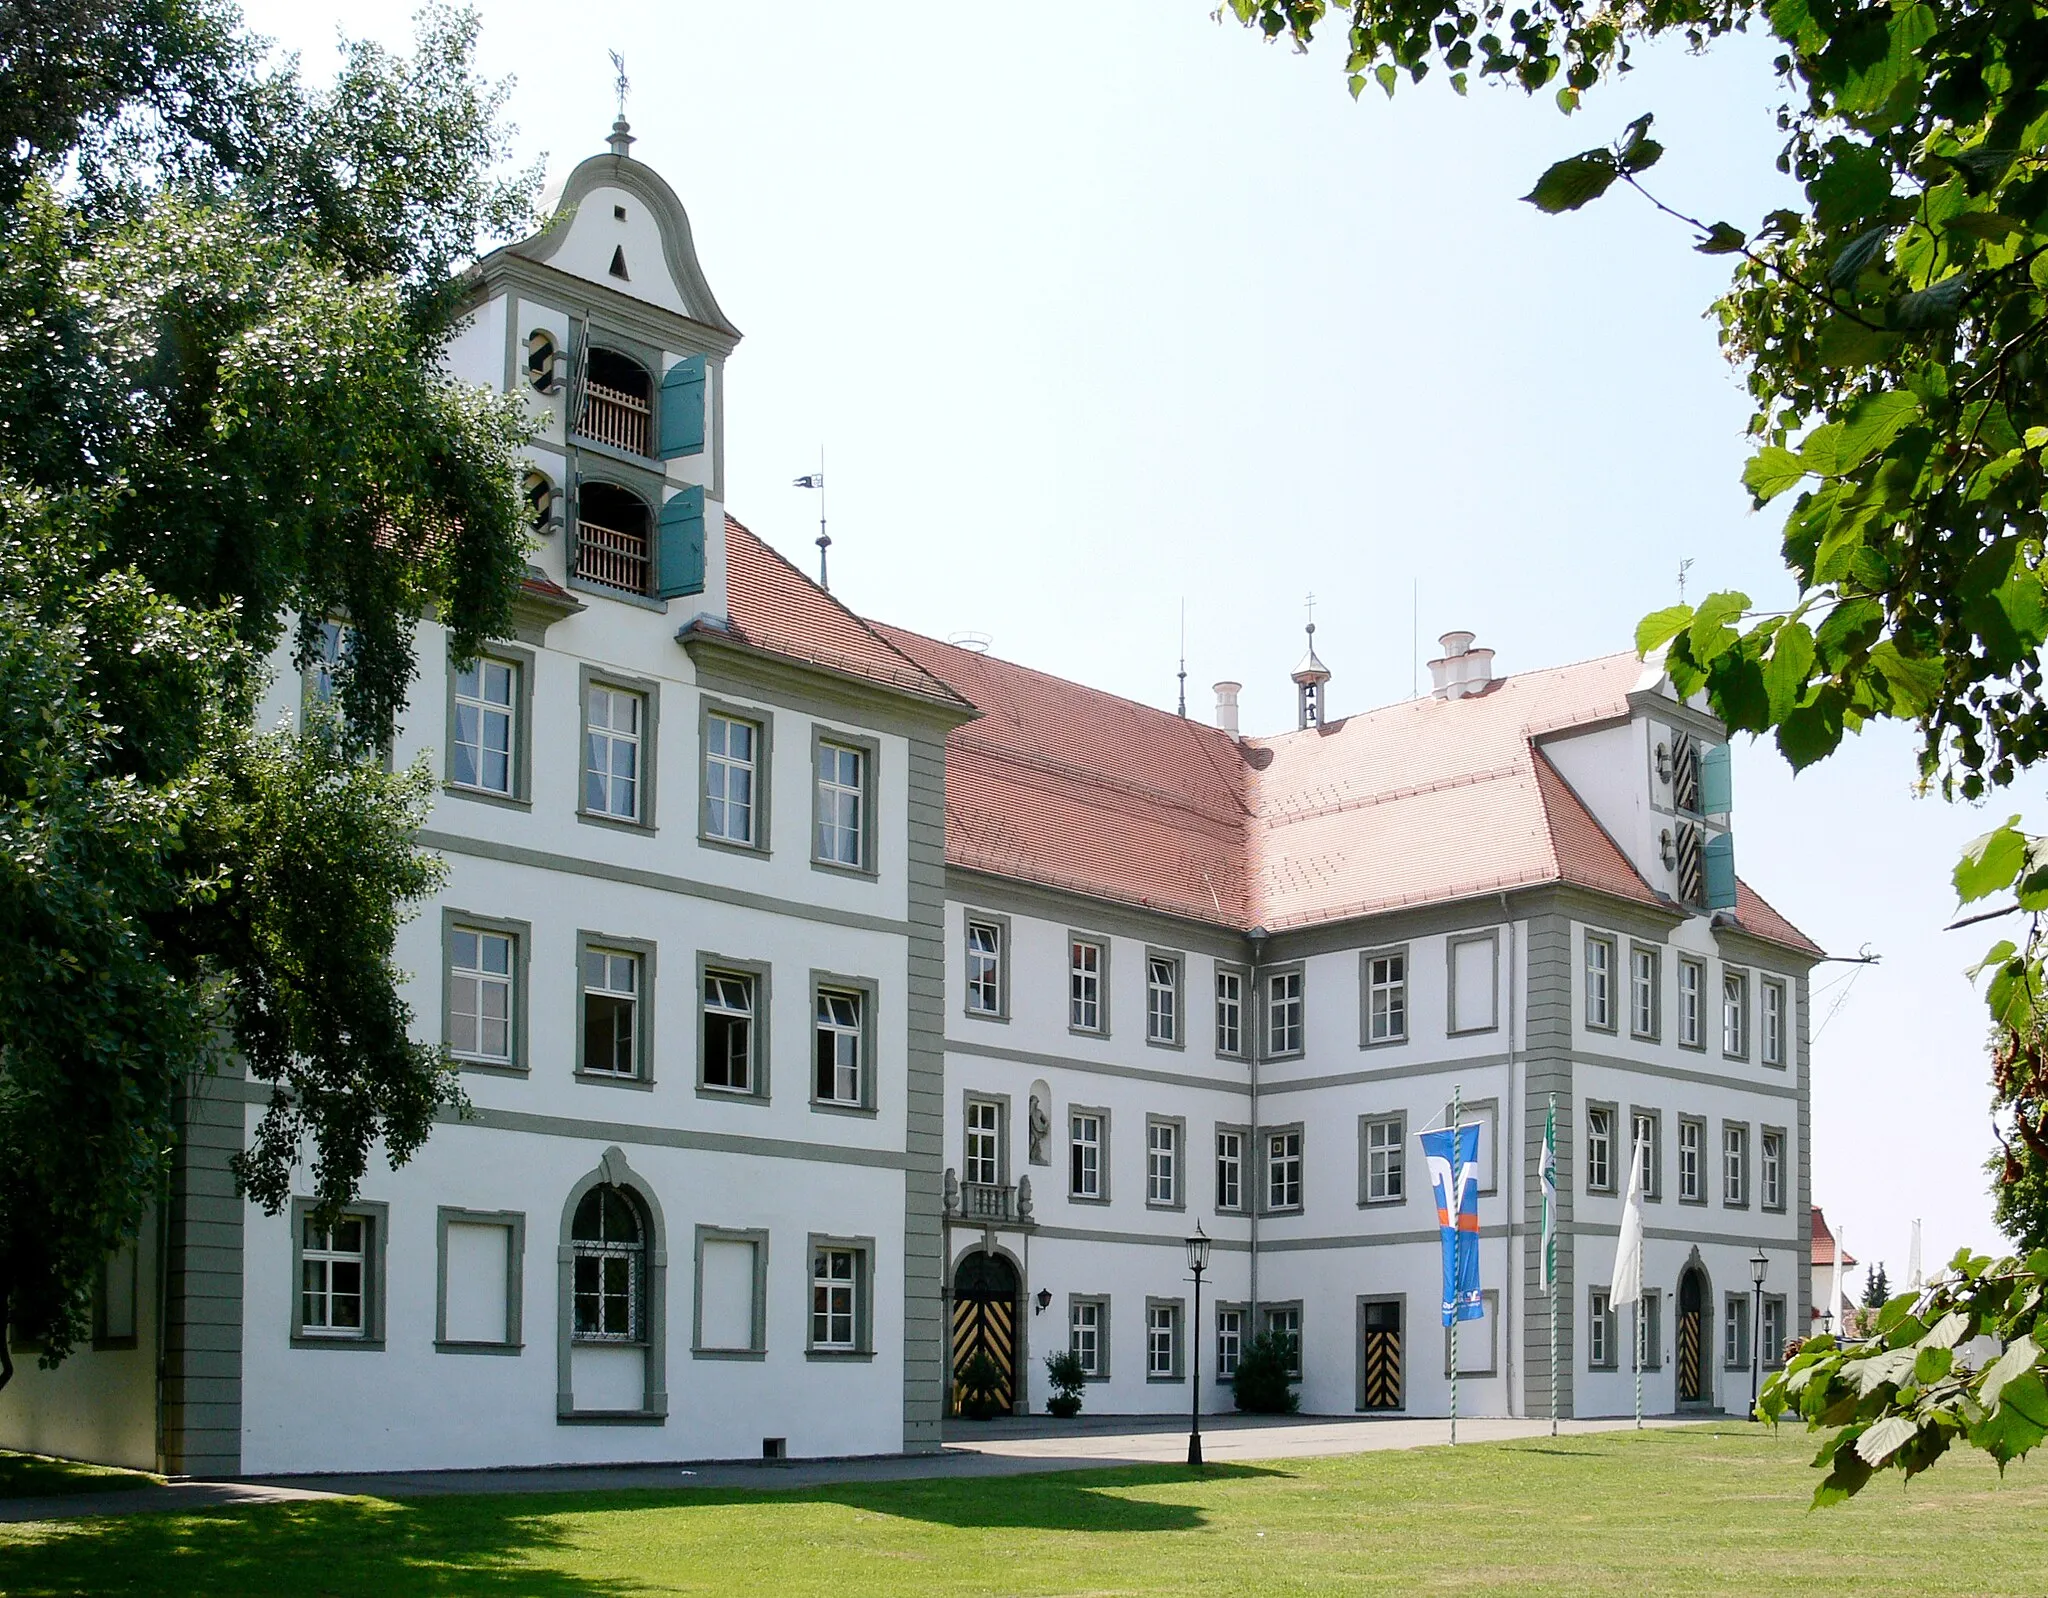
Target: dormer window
612,537
617,400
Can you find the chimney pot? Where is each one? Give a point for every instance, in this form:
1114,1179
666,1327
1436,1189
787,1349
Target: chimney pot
1226,706
1461,669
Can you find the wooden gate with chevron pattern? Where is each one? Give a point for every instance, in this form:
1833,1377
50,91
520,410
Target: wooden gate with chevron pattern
1379,1331
985,1321
1692,1387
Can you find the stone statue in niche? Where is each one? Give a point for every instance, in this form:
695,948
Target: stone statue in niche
952,1192
1024,1199
1041,1128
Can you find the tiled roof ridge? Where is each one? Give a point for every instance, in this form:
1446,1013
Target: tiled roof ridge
1468,779
1334,723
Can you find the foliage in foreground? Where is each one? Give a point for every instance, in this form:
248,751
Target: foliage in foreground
1261,1384
1893,334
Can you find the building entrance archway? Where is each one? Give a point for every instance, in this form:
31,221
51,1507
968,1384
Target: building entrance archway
1692,1337
985,1311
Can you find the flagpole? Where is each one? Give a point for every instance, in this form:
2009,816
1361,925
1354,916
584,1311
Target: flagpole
1549,1242
1457,1243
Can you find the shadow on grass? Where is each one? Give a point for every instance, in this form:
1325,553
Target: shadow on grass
38,1476
528,1544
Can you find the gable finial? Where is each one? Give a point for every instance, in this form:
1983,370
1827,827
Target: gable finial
1183,660
622,137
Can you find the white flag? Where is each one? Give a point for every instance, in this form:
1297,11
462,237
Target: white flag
1914,1280
1835,1284
1628,1248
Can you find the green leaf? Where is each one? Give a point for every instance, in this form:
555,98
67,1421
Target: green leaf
1987,225
1915,684
1931,1364
1935,306
1847,1479
1772,470
1810,732
1858,253
1574,182
1638,152
1789,665
1660,627
2018,1423
1387,76
1884,1439
2020,1356
1709,635
1990,861
1870,426
1723,238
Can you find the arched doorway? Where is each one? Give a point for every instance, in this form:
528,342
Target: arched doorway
985,1322
1692,1336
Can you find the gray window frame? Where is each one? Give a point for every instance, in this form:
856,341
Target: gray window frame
1217,1375
1265,1168
1490,1297
763,722
761,974
1697,1123
1651,1309
863,1351
1774,1348
1179,1124
1737,1309
649,690
1451,947
1489,1174
1179,1308
869,990
1245,1005
1366,957
1101,1115
1245,1162
522,663
1612,945
1102,1338
1001,1101
1268,1308
513,1222
869,748
124,1259
1398,1119
1269,975
1613,1111
758,1346
377,1215
1179,964
1748,1170
643,1019
1653,1175
653,1409
1738,974
1600,1314
1763,1204
1765,987
1655,1032
1002,925
1100,943
521,934
1698,967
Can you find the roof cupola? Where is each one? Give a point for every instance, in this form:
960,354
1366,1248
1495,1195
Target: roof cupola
1310,677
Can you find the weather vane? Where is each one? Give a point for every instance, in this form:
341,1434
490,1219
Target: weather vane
619,65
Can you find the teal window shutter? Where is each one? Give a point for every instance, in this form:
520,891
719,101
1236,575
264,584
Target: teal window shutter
1720,863
1716,782
682,408
679,545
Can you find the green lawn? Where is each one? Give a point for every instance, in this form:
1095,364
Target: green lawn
33,1475
1713,1509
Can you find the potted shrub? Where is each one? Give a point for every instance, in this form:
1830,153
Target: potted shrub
1063,1370
1262,1385
980,1379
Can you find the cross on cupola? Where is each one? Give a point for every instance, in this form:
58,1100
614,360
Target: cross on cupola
1309,679
622,135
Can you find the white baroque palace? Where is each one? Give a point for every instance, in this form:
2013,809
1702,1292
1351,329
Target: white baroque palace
835,1004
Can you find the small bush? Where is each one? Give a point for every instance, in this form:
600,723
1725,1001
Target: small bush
1063,1370
1262,1385
981,1380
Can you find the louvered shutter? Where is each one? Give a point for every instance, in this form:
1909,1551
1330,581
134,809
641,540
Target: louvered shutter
1719,857
1716,782
679,545
682,408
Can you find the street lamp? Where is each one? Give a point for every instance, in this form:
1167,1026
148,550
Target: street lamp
1198,1262
1759,1268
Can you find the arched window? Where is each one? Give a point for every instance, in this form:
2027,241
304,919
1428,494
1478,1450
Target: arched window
617,400
609,1239
611,537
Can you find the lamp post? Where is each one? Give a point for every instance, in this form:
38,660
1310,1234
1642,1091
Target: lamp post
1198,1262
1759,1268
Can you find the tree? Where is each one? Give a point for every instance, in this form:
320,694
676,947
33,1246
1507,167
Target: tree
220,410
1893,333
2019,1195
1876,1287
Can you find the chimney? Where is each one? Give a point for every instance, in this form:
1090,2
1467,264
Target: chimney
1226,706
1462,669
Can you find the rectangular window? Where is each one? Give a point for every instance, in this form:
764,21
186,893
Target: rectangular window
480,978
1284,1321
1600,982
1084,1166
1229,1170
1386,997
731,758
612,730
1084,986
1384,1144
1088,1337
837,1076
1162,1162
1229,1012
1735,1313
984,1141
611,1012
984,968
835,1300
1774,1023
1162,999
1643,992
1735,1014
1692,981
334,1278
1283,1013
729,1031
477,1296
842,805
1650,1330
1642,1131
1229,1342
484,745
1283,1171
609,1288
1773,1342
1599,1150
1691,1135
1771,1171
1734,1164
1599,1331
1162,1342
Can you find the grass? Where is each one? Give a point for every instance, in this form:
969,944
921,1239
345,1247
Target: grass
1709,1509
34,1476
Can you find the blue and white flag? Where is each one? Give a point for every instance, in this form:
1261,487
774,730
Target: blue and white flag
1547,1177
1453,1160
812,480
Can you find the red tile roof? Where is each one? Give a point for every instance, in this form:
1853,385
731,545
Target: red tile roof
1824,1243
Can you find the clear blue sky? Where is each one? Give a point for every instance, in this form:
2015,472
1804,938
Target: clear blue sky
1099,309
